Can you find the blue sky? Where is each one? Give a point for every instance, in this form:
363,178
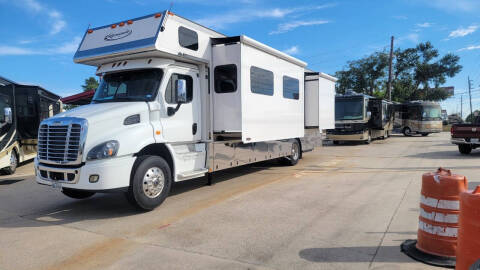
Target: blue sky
39,37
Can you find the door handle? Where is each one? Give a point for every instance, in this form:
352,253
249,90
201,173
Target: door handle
194,128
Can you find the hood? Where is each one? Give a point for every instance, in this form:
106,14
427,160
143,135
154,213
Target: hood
105,111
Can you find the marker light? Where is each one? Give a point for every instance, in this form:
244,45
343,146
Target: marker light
89,31
129,22
158,15
121,24
114,25
170,13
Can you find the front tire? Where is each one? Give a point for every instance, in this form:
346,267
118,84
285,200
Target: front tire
464,149
407,132
151,182
77,194
13,163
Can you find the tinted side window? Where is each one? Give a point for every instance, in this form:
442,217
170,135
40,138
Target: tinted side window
261,81
291,88
187,38
225,78
170,91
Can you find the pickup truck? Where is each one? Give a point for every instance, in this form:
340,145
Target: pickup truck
466,136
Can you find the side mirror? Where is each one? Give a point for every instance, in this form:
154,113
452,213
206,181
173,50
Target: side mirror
8,115
181,91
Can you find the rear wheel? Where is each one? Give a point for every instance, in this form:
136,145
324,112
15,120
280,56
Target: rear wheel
425,134
77,194
150,183
407,132
13,163
292,160
465,149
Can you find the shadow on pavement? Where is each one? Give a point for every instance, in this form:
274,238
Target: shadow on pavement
5,182
57,209
353,254
454,154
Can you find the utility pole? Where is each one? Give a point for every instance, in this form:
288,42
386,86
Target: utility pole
390,70
470,96
461,106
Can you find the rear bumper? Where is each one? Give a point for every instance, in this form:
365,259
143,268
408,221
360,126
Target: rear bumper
462,141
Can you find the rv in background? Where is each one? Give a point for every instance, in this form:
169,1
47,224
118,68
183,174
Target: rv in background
359,117
418,117
22,107
177,101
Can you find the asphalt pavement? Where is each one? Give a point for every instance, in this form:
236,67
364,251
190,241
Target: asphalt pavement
342,207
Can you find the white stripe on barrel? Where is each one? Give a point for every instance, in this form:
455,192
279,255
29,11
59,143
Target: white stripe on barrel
439,217
441,204
437,230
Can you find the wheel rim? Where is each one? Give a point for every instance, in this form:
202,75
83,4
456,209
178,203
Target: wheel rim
13,161
407,131
295,151
153,182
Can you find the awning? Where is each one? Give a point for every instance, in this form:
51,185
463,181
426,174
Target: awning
79,99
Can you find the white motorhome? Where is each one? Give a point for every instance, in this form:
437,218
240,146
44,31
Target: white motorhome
177,101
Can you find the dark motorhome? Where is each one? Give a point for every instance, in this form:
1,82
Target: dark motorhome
22,108
360,117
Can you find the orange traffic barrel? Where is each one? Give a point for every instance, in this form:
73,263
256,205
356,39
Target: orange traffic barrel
438,221
468,250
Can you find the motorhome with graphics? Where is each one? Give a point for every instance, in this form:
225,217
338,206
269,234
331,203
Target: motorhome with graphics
177,101
418,117
22,107
360,117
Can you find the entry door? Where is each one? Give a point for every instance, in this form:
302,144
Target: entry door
184,124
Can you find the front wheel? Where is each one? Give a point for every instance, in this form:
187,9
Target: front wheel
465,149
77,194
151,182
407,132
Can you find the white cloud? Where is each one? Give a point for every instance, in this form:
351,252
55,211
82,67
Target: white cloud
222,21
453,5
285,27
292,50
461,32
412,37
470,48
424,25
12,50
54,16
65,48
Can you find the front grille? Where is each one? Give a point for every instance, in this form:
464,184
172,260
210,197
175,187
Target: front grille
59,143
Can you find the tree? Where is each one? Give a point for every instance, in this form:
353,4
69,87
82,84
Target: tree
418,74
90,84
470,118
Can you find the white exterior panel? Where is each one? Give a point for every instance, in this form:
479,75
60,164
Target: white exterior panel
311,101
267,117
326,99
227,107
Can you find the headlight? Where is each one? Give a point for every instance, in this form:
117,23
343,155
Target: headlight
105,150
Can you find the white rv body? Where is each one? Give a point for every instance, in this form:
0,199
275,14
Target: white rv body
257,113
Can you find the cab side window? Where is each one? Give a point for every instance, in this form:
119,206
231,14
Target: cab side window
170,91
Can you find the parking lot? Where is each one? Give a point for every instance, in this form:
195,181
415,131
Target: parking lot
341,207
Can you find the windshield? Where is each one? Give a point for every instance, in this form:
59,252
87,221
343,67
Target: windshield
432,113
137,85
349,109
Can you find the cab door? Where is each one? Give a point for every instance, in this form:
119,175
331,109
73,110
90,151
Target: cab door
181,117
